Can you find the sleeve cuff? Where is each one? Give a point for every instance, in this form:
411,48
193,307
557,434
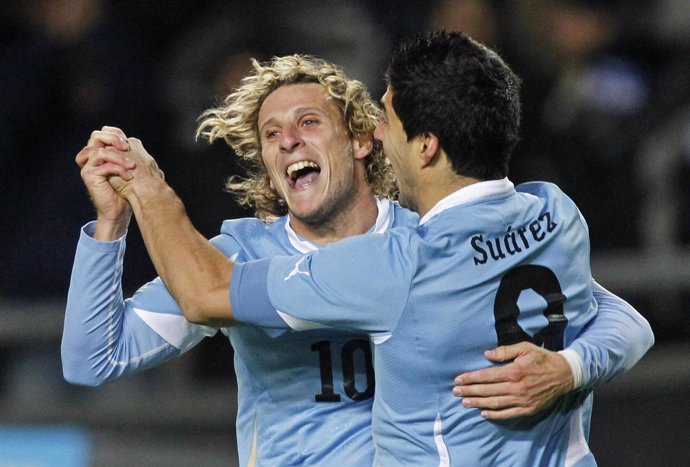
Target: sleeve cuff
86,239
249,295
576,366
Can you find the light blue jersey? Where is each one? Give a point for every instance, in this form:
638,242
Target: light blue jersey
304,399
281,376
488,265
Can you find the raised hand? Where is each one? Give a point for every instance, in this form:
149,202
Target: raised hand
104,156
142,172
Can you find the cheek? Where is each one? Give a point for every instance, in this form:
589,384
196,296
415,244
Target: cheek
268,162
273,175
397,162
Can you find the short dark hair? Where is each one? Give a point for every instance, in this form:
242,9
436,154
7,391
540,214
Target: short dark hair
448,84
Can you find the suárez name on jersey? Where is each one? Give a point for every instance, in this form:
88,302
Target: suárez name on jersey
513,241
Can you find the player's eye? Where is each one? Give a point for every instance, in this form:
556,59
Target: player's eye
309,121
271,134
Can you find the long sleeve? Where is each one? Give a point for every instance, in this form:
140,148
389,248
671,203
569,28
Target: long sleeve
106,337
614,341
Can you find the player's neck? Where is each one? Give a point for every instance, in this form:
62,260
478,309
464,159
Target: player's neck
354,219
438,187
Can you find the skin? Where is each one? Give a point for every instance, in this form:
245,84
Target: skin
116,168
113,212
422,167
529,381
301,123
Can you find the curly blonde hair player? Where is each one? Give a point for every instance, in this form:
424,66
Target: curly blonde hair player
235,121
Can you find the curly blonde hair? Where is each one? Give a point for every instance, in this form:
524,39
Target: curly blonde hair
235,121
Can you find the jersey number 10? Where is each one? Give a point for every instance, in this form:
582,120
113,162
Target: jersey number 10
347,357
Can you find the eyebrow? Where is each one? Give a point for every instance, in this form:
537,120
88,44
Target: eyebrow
297,111
306,110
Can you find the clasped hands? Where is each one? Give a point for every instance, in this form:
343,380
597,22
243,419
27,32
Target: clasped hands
113,167
110,153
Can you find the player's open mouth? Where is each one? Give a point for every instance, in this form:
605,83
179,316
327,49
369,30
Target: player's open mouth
302,174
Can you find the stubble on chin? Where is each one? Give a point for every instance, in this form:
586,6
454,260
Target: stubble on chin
329,212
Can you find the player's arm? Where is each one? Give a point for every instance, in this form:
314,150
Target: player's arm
612,343
195,272
105,337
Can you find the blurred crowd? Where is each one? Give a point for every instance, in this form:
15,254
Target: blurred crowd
606,99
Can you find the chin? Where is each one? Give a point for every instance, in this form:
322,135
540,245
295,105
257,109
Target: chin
315,217
318,215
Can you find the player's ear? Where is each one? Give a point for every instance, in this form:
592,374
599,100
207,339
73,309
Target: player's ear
362,145
429,148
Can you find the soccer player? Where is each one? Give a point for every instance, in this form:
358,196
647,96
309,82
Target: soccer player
303,398
251,239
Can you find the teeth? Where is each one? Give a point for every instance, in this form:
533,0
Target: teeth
300,165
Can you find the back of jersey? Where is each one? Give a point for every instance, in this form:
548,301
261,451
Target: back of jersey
495,271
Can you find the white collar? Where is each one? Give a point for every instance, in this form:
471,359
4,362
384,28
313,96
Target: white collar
469,193
382,222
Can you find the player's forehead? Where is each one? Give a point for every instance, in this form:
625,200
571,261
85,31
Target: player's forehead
294,98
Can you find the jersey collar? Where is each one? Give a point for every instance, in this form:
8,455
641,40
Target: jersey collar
469,193
383,220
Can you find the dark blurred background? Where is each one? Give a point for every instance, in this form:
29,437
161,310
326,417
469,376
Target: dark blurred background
606,93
